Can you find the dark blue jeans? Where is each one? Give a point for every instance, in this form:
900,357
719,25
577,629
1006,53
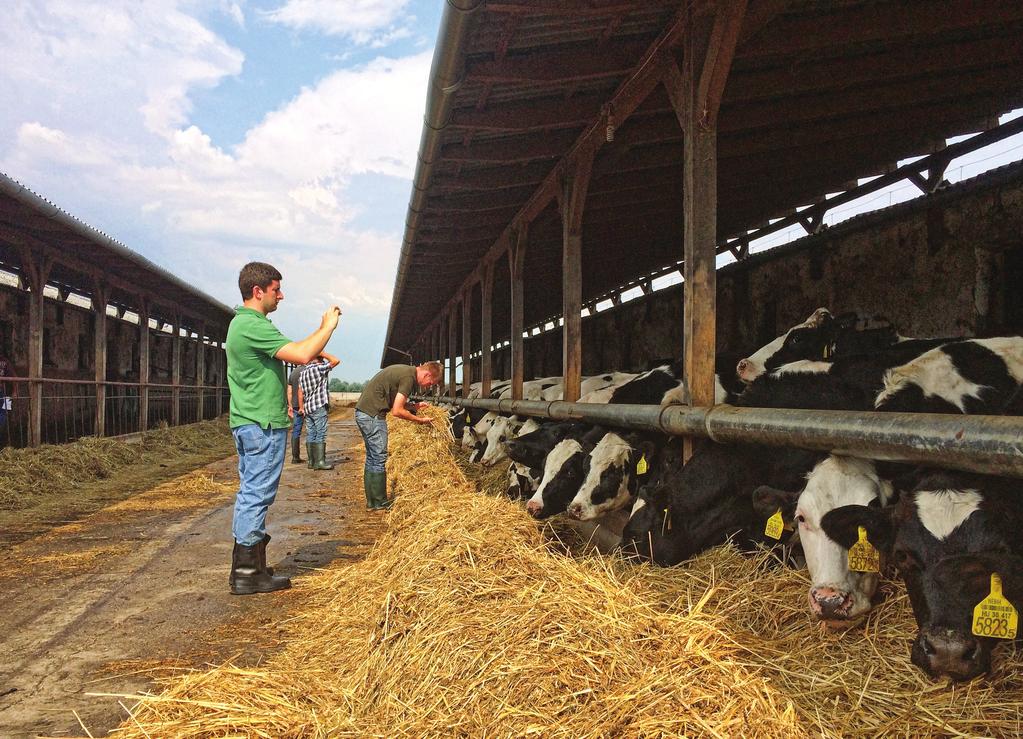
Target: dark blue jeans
374,434
296,429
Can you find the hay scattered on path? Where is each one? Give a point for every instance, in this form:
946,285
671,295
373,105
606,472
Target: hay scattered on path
462,621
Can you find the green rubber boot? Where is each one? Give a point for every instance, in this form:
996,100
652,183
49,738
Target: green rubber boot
376,490
321,463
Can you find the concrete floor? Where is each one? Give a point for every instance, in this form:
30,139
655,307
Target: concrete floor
161,597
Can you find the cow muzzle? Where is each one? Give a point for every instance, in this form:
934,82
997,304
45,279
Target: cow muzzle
746,370
534,509
575,511
830,604
947,652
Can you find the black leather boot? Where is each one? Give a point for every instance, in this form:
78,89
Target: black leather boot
296,444
248,573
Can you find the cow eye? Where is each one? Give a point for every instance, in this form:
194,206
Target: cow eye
503,438
800,519
904,560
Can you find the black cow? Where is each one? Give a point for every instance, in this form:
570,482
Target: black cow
945,537
821,337
708,500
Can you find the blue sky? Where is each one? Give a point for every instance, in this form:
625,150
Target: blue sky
207,134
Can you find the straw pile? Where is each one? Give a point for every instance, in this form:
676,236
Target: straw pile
462,621
29,473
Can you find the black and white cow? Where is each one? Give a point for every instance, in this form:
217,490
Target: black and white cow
946,536
563,472
612,472
688,508
528,452
968,376
822,337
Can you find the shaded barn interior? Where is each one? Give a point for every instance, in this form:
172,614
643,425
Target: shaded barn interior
99,340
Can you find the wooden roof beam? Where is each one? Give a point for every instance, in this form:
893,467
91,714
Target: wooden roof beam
558,66
571,8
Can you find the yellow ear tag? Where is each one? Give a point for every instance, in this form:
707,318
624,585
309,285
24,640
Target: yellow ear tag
775,525
862,555
641,465
995,616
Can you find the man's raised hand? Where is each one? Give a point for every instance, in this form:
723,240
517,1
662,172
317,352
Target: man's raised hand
330,318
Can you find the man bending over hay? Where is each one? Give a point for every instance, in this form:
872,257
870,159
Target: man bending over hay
256,352
388,391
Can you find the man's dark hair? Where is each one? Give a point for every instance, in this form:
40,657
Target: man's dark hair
256,274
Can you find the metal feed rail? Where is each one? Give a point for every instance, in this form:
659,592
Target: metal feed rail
987,444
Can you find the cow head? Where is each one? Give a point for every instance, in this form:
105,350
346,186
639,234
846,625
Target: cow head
562,475
945,645
808,340
838,594
610,476
503,429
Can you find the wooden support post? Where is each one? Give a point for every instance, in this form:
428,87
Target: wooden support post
176,372
516,262
466,341
486,338
200,369
35,270
144,363
99,306
442,347
452,350
572,202
695,92
221,377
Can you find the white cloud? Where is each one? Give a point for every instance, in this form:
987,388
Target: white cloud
363,21
102,125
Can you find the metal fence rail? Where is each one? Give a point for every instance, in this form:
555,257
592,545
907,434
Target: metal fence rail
68,407
988,444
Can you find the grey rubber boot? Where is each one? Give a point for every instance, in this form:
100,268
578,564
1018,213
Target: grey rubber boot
320,462
376,483
296,444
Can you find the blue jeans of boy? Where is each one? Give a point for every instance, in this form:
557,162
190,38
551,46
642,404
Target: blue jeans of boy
260,461
317,420
374,434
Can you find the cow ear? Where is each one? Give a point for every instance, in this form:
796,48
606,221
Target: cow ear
819,318
767,500
842,525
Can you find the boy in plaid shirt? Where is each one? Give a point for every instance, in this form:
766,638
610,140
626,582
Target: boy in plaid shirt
315,402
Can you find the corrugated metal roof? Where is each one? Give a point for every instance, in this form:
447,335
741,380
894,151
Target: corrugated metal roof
821,94
28,219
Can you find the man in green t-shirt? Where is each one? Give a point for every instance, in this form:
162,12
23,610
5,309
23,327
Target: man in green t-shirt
388,392
256,352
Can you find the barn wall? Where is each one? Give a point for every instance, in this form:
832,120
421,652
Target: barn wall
950,264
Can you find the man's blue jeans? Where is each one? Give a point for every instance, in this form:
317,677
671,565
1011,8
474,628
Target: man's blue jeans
296,429
374,434
260,461
317,420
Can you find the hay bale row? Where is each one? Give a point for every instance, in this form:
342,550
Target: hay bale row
29,472
465,620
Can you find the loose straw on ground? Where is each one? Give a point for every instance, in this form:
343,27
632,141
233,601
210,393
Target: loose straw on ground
464,620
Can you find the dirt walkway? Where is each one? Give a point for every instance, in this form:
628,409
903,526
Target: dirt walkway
107,604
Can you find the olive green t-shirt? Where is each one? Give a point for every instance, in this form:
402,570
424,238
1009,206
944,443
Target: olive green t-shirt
379,393
254,376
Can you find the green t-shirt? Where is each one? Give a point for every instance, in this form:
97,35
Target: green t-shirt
378,394
254,376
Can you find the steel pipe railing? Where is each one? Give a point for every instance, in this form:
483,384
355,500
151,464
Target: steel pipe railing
987,444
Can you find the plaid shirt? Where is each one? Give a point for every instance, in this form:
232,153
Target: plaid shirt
313,382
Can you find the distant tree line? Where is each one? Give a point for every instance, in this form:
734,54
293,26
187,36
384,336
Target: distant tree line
343,386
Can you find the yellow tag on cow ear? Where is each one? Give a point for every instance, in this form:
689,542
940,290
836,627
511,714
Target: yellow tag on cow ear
641,465
995,616
862,555
775,525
